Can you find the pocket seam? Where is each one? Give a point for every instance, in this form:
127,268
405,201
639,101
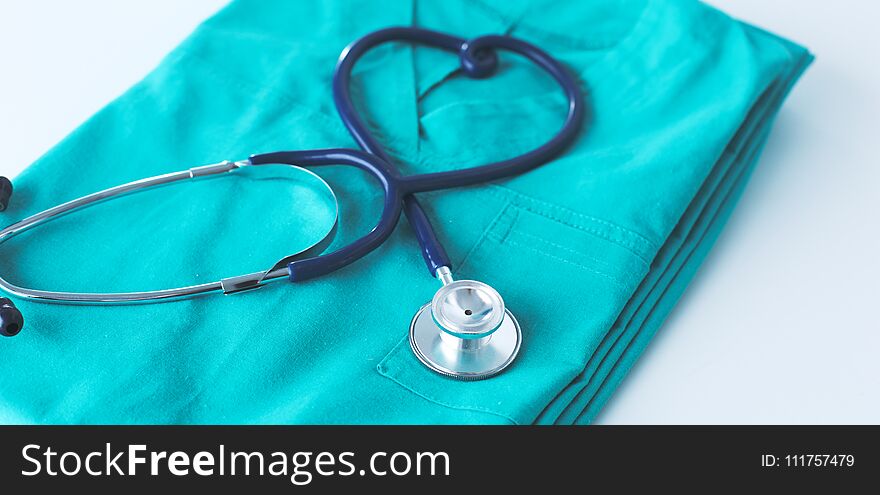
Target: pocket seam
564,248
571,42
486,232
384,371
631,240
604,275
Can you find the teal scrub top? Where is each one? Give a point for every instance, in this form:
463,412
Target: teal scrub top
590,251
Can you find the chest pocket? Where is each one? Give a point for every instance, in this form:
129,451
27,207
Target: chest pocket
566,277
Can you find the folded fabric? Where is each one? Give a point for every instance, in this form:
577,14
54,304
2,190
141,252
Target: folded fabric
590,251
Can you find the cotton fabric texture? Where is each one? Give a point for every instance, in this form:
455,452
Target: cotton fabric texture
590,251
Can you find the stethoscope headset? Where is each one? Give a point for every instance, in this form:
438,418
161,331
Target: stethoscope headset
466,331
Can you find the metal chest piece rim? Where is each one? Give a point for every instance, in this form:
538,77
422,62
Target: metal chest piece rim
465,332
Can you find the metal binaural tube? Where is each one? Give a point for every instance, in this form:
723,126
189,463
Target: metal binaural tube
444,275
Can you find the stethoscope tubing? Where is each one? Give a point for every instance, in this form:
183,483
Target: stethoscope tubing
478,60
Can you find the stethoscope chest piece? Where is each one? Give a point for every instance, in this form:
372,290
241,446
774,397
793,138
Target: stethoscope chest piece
465,332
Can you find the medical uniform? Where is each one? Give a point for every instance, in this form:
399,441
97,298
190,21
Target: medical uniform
590,251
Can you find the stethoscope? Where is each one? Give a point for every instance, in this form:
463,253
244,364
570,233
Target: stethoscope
466,331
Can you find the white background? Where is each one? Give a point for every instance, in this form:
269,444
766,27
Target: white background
781,323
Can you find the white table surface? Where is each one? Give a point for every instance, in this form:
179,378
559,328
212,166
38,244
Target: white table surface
781,323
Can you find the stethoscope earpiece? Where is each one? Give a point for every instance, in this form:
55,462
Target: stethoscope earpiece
465,332
11,321
5,192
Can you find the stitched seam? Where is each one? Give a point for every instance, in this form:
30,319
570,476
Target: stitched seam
567,41
384,371
393,145
510,226
641,252
610,278
431,157
635,235
564,248
247,86
485,234
493,104
597,232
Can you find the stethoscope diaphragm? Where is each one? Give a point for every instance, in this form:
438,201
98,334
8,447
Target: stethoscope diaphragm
465,332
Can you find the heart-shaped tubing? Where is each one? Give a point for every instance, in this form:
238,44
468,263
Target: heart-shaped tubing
478,59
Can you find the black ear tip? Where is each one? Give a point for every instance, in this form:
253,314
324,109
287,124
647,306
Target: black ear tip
11,321
5,192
